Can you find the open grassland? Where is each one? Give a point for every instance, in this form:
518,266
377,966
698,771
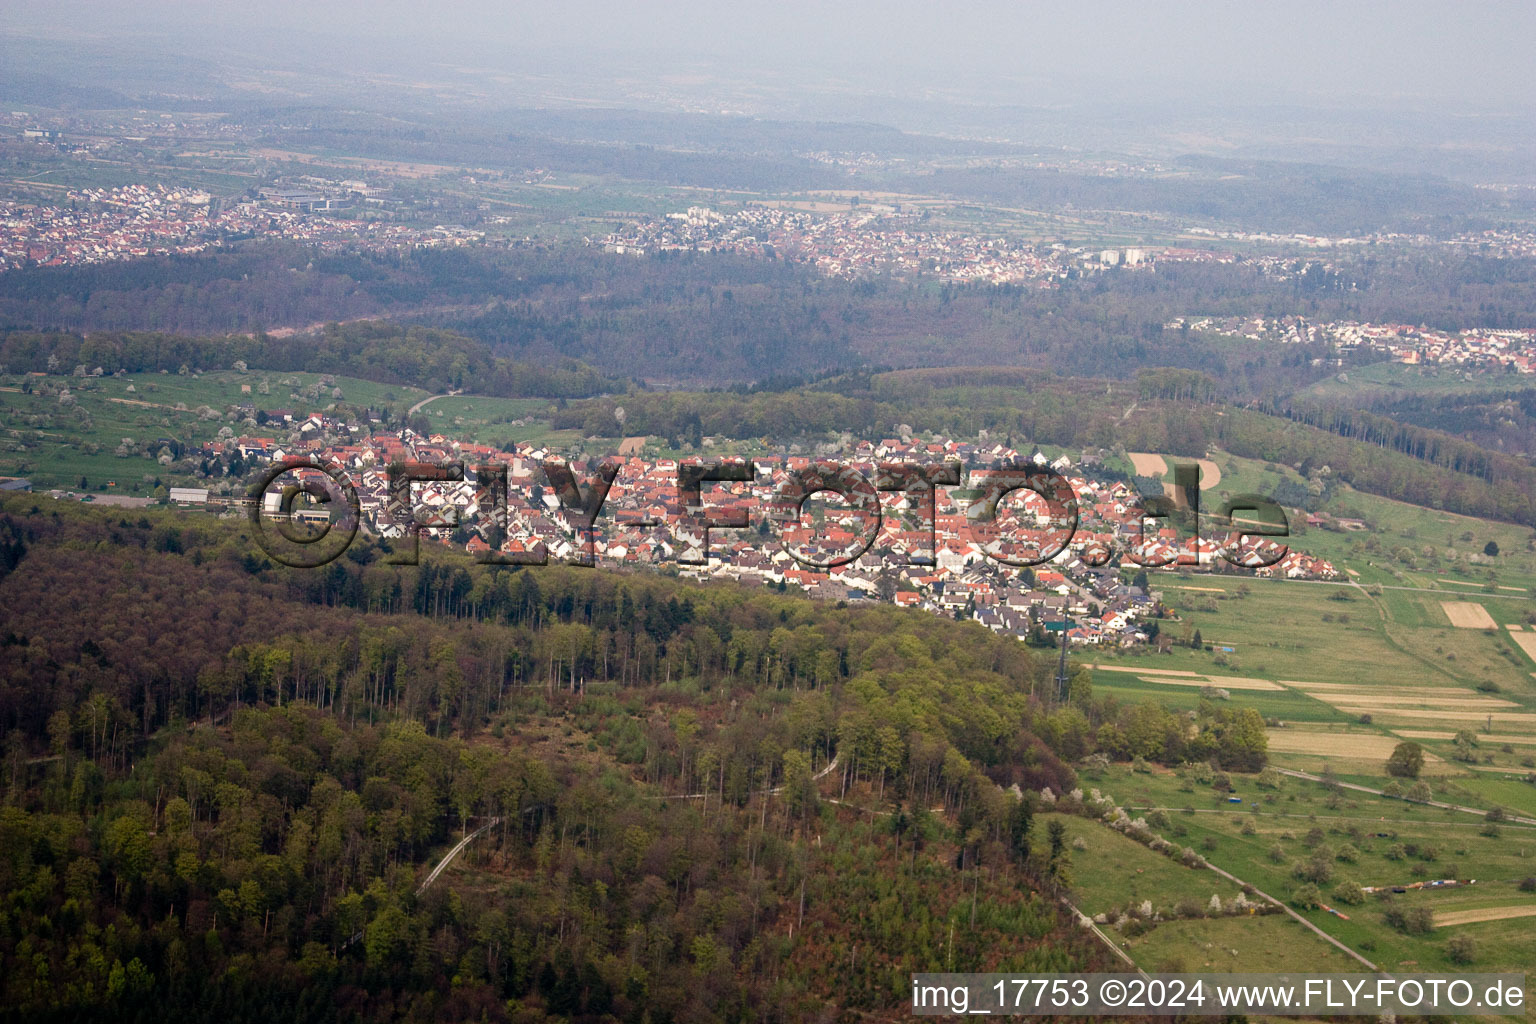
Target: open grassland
1350,716
1508,789
1320,633
494,420
1260,944
1175,692
1113,873
1279,629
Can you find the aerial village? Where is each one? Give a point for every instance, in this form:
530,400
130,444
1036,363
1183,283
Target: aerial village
932,549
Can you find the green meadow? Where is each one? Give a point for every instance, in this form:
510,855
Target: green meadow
1339,837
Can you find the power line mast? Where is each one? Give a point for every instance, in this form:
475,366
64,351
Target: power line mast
1061,667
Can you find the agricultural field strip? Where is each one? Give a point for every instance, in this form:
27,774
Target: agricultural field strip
1346,697
1415,699
1436,734
1302,685
1295,741
1226,682
1314,816
1409,703
1527,642
1504,718
1467,615
1390,707
1522,593
1148,464
1455,917
1156,466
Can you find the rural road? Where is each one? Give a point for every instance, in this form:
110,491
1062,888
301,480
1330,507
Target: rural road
1390,586
1479,811
442,864
1233,878
430,398
1088,922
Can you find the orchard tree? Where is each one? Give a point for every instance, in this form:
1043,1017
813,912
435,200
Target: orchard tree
1407,761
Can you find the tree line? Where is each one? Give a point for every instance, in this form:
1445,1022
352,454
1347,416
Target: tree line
433,359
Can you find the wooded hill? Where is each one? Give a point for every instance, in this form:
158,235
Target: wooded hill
717,320
224,779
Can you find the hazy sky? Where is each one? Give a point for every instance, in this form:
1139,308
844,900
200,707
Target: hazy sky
1325,51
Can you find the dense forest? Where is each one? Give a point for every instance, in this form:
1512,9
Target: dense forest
1500,419
715,320
700,800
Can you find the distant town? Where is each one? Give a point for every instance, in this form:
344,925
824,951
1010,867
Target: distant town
1510,350
134,221
893,238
